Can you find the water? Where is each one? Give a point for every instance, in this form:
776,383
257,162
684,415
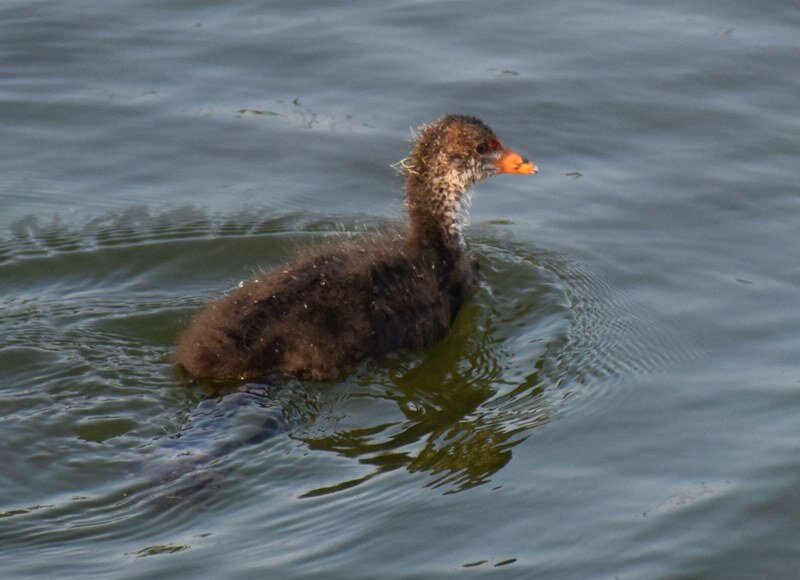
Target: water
618,400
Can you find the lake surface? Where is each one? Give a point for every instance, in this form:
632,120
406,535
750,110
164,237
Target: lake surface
619,399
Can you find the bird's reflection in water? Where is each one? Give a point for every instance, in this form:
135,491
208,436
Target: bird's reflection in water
452,422
194,459
461,419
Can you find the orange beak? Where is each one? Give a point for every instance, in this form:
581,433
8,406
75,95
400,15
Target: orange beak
512,162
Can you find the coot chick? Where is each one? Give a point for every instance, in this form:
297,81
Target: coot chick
319,316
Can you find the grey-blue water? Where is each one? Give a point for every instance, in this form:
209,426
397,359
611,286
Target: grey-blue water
619,399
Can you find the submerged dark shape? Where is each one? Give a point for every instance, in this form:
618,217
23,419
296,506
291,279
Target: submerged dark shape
319,316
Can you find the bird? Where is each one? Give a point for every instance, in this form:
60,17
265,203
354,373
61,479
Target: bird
319,316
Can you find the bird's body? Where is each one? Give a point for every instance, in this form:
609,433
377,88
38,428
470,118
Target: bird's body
319,316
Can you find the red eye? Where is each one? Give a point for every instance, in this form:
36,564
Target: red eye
491,144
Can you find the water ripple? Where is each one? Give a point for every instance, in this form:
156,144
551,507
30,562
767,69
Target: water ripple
89,317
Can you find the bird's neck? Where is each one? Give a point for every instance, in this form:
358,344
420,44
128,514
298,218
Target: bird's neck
437,212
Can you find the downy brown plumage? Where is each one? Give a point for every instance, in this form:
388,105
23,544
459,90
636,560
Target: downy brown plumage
331,308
